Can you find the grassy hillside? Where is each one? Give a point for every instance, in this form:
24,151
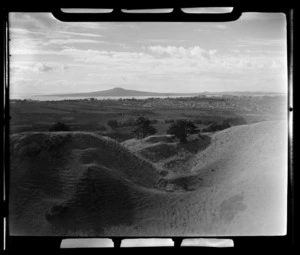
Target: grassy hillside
74,183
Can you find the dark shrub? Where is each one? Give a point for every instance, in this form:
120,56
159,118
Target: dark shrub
143,128
113,123
59,126
207,122
182,128
151,130
102,128
169,121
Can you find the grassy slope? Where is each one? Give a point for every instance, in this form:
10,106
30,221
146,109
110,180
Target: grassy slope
242,176
51,168
89,185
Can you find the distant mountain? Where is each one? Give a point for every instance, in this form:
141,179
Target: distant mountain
120,92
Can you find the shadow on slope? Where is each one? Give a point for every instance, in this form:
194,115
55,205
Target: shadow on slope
53,172
57,148
101,199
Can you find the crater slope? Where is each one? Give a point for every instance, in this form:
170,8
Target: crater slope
232,182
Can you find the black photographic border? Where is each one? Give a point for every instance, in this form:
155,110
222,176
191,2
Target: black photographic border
48,243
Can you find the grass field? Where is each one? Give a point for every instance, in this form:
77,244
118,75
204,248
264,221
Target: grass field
93,115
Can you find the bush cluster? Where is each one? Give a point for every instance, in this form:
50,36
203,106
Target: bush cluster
182,128
169,121
59,126
143,128
129,122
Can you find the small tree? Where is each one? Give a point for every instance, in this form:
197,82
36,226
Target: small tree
151,130
143,128
191,128
59,126
113,123
182,128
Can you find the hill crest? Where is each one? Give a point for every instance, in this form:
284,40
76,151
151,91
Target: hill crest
121,92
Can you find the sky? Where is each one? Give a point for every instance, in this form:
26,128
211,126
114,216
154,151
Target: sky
49,56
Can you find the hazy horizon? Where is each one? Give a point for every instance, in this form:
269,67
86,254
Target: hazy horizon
53,57
16,96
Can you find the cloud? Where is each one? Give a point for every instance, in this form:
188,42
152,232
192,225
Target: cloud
181,52
212,52
261,42
46,24
65,67
71,41
169,50
80,34
22,31
136,54
151,41
221,26
48,21
171,60
17,32
32,20
32,51
98,56
275,65
21,68
44,68
87,25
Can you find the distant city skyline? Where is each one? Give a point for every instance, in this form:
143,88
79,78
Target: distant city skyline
51,57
